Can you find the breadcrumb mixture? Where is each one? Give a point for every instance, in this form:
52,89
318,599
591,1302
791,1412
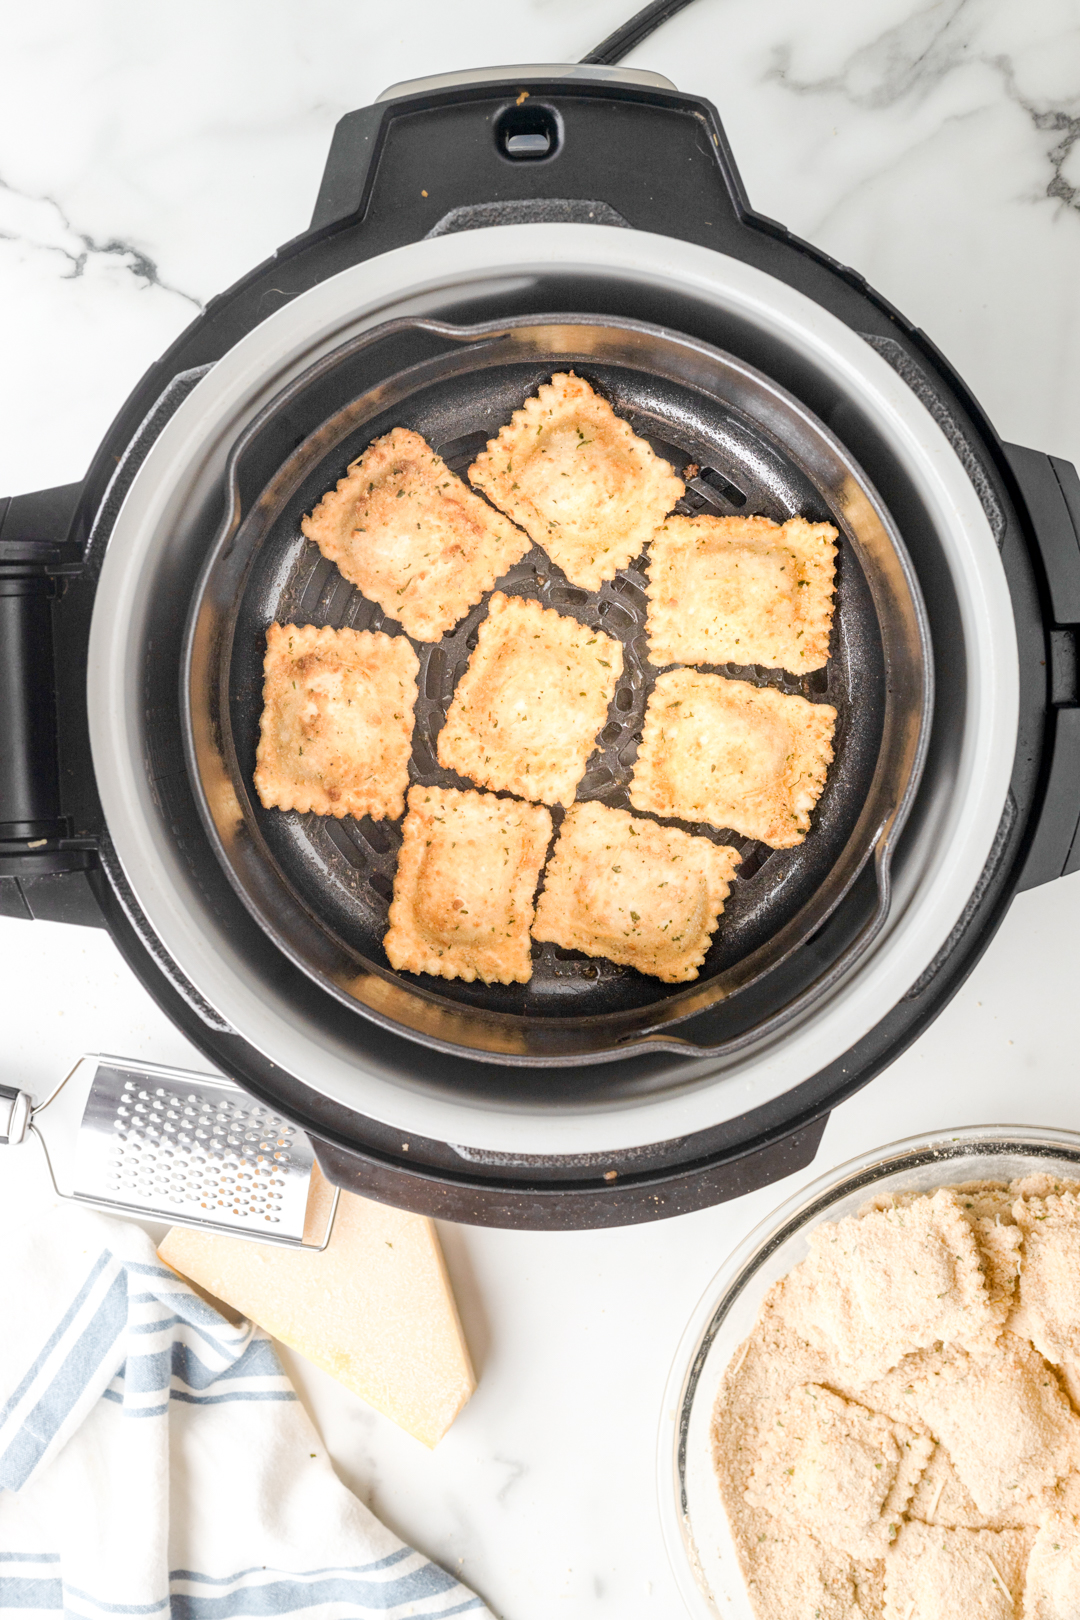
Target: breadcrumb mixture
897,1439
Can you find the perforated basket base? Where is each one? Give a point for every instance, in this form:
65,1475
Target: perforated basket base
340,872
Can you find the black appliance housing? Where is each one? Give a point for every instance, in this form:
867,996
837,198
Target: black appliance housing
541,147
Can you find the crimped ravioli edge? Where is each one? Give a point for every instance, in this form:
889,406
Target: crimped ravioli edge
665,646
412,957
315,800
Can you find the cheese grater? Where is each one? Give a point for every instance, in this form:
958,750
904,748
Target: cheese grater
164,1144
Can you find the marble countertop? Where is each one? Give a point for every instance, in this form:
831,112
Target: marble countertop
149,156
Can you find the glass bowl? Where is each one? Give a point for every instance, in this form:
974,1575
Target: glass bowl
694,1524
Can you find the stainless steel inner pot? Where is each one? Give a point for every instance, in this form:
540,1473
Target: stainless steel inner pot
722,1069
320,887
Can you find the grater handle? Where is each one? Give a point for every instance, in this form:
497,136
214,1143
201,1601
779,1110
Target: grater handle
15,1110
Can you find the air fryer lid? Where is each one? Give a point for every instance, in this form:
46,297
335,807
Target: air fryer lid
320,887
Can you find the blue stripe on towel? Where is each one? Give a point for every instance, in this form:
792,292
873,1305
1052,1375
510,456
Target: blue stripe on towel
119,1608
280,1597
259,1360
19,1592
290,1595
57,1334
153,1368
260,1569
191,1309
233,1395
77,1369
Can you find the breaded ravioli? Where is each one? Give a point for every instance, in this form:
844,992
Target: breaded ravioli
1052,1588
741,590
872,1465
878,1286
795,1576
578,480
1048,1311
645,896
942,1498
807,1426
337,721
464,886
405,529
1003,1418
734,755
528,707
936,1574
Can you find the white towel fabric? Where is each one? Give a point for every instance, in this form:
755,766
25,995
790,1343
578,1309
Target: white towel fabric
155,1461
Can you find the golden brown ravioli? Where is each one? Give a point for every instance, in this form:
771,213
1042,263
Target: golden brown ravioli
741,590
337,721
578,480
646,896
734,755
405,529
464,886
528,707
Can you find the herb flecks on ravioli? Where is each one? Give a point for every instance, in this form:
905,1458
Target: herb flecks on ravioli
645,896
337,721
741,590
732,754
463,891
412,537
578,480
528,708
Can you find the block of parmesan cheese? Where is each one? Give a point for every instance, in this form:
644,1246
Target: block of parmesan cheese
374,1309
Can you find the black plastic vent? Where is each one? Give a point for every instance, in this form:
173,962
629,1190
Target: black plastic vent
527,132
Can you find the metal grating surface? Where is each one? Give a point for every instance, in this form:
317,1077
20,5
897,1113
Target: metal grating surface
187,1147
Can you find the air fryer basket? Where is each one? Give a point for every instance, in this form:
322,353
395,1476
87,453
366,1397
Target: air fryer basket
321,887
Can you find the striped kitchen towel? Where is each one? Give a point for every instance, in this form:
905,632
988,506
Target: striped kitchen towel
155,1460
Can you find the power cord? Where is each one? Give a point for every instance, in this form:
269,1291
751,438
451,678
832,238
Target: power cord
645,22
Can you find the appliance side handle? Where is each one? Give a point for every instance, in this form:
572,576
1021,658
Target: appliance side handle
1051,491
550,146
43,871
